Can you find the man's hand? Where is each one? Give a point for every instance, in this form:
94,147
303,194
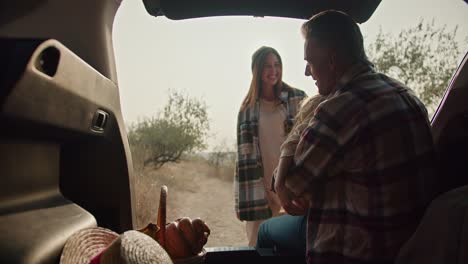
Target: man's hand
291,203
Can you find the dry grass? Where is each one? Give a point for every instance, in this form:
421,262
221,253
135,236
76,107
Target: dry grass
196,189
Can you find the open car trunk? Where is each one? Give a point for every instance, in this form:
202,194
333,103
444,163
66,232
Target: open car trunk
64,157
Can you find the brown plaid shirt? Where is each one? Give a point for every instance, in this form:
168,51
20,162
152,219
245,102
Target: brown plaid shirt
366,160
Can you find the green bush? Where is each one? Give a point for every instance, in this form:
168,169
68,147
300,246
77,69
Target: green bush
179,129
424,57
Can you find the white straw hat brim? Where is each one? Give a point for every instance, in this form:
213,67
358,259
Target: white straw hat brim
134,247
83,245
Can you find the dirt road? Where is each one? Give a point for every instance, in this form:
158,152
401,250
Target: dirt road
196,189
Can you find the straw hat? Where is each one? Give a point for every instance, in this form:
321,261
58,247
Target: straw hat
102,246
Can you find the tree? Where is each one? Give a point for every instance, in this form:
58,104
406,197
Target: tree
179,129
423,57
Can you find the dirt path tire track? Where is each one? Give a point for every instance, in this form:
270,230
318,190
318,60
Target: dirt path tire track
195,189
212,200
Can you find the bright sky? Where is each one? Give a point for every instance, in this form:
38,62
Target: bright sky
209,58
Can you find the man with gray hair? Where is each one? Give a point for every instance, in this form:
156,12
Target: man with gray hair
363,168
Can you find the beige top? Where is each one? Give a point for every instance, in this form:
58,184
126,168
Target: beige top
271,135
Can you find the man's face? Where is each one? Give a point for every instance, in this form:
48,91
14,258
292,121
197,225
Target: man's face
319,66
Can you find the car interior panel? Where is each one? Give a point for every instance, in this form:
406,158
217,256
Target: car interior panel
61,141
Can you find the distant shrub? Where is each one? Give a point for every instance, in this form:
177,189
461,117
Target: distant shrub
423,56
179,129
223,154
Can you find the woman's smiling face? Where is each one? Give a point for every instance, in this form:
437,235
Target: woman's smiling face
272,70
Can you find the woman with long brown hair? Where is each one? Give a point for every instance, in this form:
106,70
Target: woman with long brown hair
265,117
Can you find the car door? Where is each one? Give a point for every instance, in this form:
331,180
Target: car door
445,218
450,130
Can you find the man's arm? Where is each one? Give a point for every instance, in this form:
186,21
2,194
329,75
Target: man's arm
292,205
323,142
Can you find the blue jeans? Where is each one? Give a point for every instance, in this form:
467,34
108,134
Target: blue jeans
286,233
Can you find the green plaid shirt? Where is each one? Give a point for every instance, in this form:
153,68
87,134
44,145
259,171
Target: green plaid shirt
250,197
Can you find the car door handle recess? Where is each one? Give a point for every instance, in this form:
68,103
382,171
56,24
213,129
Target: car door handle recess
48,60
99,120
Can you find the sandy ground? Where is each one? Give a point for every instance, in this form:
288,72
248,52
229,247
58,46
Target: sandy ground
195,189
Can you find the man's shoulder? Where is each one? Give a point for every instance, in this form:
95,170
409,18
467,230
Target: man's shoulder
383,95
373,85
339,99
368,95
339,109
362,89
